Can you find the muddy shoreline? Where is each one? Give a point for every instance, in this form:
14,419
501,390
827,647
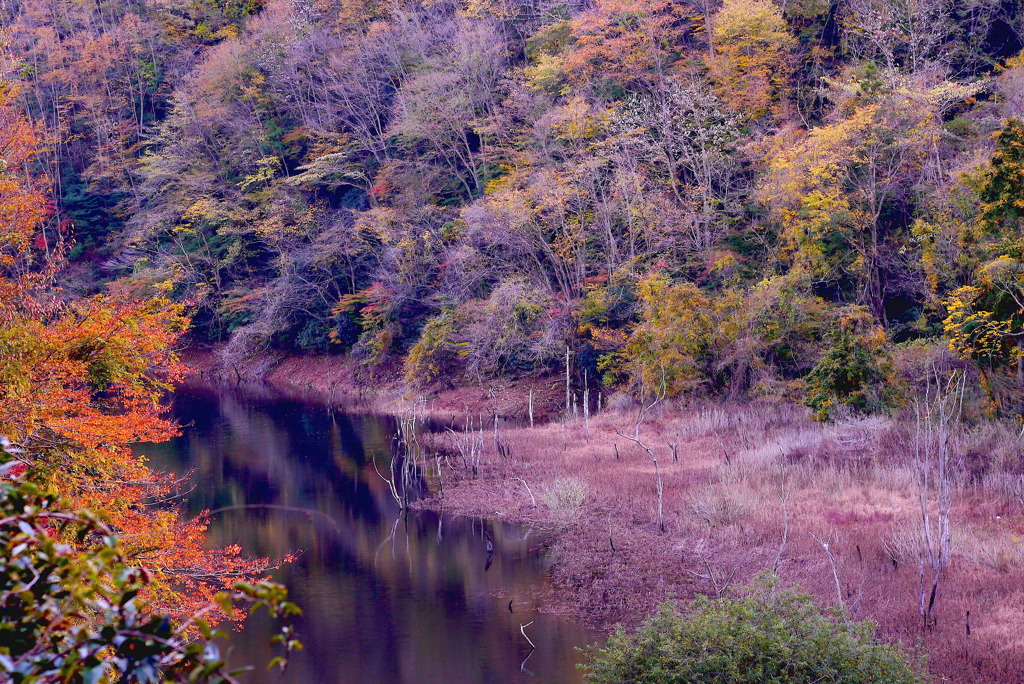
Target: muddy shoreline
336,380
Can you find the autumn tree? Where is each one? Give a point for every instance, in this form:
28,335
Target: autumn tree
98,75
759,339
83,378
358,177
541,219
836,193
76,613
444,107
623,44
900,35
689,135
985,320
856,373
668,350
752,56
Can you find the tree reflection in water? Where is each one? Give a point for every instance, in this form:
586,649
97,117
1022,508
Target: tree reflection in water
387,597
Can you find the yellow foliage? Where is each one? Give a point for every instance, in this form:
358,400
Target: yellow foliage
547,73
752,55
976,334
577,121
434,355
828,184
737,340
664,350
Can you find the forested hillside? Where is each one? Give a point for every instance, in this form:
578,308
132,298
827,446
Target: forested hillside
792,199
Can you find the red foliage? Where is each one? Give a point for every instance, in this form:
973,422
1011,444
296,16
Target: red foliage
82,379
630,42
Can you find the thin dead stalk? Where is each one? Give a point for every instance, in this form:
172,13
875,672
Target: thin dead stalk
717,584
522,630
784,498
936,416
532,499
659,483
835,572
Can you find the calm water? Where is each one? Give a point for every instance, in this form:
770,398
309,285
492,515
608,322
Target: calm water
385,599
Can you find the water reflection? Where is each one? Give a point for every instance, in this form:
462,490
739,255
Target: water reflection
386,598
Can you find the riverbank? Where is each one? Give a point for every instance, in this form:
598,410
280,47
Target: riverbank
339,380
752,488
745,488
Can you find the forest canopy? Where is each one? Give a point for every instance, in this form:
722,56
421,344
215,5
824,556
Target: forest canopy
699,198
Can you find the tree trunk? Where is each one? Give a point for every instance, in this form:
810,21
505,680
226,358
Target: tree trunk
1020,362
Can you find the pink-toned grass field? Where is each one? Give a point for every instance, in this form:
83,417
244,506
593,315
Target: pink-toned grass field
745,477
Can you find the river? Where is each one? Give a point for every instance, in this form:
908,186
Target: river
386,599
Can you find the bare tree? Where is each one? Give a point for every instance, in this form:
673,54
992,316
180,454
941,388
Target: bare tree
937,415
689,136
898,34
635,437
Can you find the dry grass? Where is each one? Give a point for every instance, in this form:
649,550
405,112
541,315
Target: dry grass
564,496
746,475
993,549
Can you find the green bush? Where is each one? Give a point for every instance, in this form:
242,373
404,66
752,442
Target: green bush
856,371
436,354
314,336
766,637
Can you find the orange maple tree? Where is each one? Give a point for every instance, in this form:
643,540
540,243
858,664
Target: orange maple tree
630,43
82,378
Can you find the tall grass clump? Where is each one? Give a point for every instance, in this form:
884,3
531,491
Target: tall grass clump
565,495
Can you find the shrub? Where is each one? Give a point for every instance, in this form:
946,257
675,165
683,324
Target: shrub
856,371
767,637
565,496
736,340
778,327
520,328
667,351
436,354
314,336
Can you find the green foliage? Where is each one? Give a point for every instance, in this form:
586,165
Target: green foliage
436,354
549,40
71,611
92,217
856,371
213,20
985,321
733,341
778,330
665,353
416,161
1002,196
313,335
959,127
768,637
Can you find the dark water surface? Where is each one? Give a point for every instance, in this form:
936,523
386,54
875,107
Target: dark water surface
385,599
